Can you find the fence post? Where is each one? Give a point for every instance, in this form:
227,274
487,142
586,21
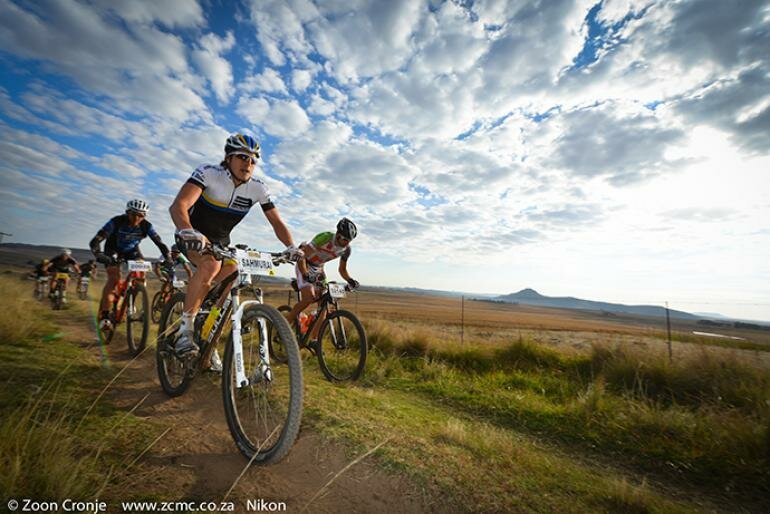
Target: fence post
462,320
668,329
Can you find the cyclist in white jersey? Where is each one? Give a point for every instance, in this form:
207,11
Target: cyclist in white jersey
212,201
309,269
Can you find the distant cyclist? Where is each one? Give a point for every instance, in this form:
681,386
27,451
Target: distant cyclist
165,269
309,269
123,233
62,263
40,274
88,270
206,209
41,269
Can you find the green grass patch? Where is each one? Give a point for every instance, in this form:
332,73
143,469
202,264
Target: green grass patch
703,421
473,463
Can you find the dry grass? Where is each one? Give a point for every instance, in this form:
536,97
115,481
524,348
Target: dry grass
16,323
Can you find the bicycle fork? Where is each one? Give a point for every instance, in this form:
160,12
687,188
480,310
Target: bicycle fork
263,371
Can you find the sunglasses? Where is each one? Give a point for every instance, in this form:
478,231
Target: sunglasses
137,214
247,157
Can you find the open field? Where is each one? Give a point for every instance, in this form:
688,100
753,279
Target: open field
537,410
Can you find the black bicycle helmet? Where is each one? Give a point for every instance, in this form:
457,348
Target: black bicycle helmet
347,229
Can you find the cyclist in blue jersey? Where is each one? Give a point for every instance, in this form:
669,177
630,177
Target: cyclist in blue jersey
208,206
123,234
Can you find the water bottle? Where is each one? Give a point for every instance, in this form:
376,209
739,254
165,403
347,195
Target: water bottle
304,322
209,323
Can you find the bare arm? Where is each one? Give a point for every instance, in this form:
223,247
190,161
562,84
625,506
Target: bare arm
185,199
343,269
279,227
302,262
188,269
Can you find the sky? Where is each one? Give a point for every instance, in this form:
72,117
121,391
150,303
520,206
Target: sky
615,150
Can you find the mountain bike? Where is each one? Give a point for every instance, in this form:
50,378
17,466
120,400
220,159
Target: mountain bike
59,293
131,301
262,398
160,298
41,287
83,288
341,346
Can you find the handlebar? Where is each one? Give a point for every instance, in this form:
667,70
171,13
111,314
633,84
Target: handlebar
220,253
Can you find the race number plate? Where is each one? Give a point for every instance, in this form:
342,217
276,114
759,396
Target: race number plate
252,262
139,266
179,284
337,290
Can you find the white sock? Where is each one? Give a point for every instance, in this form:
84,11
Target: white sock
187,324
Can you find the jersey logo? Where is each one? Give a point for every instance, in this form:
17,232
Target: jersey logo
242,203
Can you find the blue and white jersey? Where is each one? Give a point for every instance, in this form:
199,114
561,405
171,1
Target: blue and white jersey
123,238
222,204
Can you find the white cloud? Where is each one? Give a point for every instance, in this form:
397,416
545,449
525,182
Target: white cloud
301,79
281,118
172,13
208,58
143,69
269,81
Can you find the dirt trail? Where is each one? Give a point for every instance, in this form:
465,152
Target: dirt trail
197,458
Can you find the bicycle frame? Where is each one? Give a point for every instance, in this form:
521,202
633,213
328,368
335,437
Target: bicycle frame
119,304
232,310
324,302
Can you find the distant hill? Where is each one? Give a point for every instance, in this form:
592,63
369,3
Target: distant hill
20,254
532,297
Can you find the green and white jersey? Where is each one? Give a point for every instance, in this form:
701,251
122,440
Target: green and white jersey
322,248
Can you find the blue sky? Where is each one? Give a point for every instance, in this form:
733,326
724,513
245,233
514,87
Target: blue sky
613,150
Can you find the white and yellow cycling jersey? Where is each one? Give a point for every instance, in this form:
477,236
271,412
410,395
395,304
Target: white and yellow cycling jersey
222,204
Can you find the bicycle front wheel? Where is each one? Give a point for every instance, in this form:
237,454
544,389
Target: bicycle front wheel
137,319
342,347
264,414
58,296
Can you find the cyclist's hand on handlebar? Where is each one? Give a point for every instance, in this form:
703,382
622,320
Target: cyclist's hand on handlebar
353,283
191,239
106,259
293,253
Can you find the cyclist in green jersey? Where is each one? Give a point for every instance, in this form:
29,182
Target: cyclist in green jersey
165,271
309,269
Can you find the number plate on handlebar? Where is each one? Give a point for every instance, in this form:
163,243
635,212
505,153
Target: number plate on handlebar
336,290
179,284
139,266
252,262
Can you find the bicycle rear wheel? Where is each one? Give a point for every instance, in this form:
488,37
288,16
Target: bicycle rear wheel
157,306
264,415
342,347
174,374
137,319
274,342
